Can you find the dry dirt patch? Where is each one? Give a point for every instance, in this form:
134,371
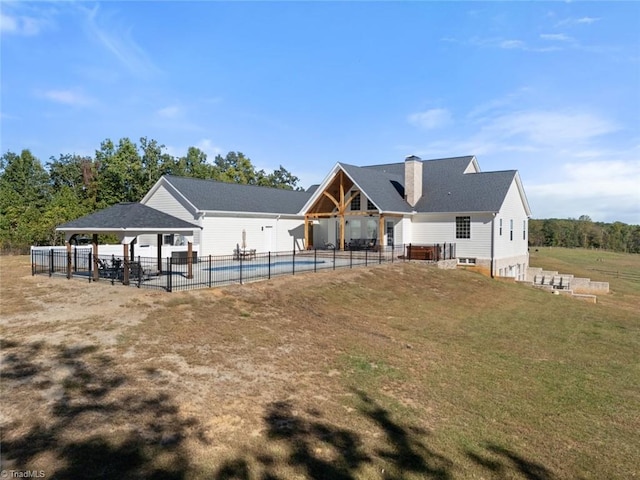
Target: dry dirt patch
179,383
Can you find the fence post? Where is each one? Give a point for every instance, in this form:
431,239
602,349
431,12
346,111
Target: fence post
269,264
90,266
139,272
293,263
366,258
51,262
240,258
380,254
315,260
33,266
210,271
350,258
334,258
169,274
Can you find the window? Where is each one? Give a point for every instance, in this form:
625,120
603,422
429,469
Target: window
463,227
524,229
167,239
500,227
370,205
510,229
355,203
467,261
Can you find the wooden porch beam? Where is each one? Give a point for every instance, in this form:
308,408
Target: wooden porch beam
328,195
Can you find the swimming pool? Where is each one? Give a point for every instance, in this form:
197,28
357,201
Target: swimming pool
248,265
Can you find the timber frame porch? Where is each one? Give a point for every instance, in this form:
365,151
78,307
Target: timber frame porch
333,203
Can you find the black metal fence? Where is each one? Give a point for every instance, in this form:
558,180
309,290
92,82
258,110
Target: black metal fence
178,273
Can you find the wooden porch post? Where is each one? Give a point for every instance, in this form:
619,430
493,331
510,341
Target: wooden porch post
125,265
159,251
189,259
381,235
94,244
68,244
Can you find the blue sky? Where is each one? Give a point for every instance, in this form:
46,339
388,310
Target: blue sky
551,89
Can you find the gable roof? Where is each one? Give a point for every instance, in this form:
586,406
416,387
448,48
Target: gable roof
127,216
445,185
212,195
385,190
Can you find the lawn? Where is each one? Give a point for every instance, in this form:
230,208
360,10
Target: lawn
398,371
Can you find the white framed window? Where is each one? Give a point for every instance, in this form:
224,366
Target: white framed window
466,261
463,227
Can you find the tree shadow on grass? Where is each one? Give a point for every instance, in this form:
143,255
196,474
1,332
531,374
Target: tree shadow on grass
83,418
309,446
503,462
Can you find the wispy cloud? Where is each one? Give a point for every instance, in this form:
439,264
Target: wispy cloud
25,19
596,188
171,111
549,127
576,21
430,119
558,37
118,41
67,97
508,44
207,145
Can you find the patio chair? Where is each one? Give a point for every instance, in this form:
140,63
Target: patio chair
137,272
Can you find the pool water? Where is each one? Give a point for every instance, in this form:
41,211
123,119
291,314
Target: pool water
248,265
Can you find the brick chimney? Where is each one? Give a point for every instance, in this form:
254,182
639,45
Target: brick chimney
413,179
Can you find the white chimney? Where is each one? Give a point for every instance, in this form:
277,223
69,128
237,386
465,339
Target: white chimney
413,179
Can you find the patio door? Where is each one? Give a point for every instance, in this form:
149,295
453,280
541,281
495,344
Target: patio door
390,234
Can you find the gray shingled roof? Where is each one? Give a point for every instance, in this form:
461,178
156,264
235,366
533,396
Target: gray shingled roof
471,192
379,187
128,216
445,186
233,197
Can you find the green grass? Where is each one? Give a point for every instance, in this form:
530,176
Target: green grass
621,270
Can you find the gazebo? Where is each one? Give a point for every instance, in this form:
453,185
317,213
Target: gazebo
127,221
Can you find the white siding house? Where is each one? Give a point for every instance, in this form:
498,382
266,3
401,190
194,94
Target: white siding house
266,218
419,202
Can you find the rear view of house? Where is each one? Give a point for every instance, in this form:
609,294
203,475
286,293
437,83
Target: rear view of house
443,201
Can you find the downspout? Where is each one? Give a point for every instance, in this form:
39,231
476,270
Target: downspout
493,236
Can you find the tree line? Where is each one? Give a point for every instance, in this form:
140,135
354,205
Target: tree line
35,198
584,233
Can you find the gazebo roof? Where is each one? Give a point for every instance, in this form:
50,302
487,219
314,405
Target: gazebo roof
128,217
